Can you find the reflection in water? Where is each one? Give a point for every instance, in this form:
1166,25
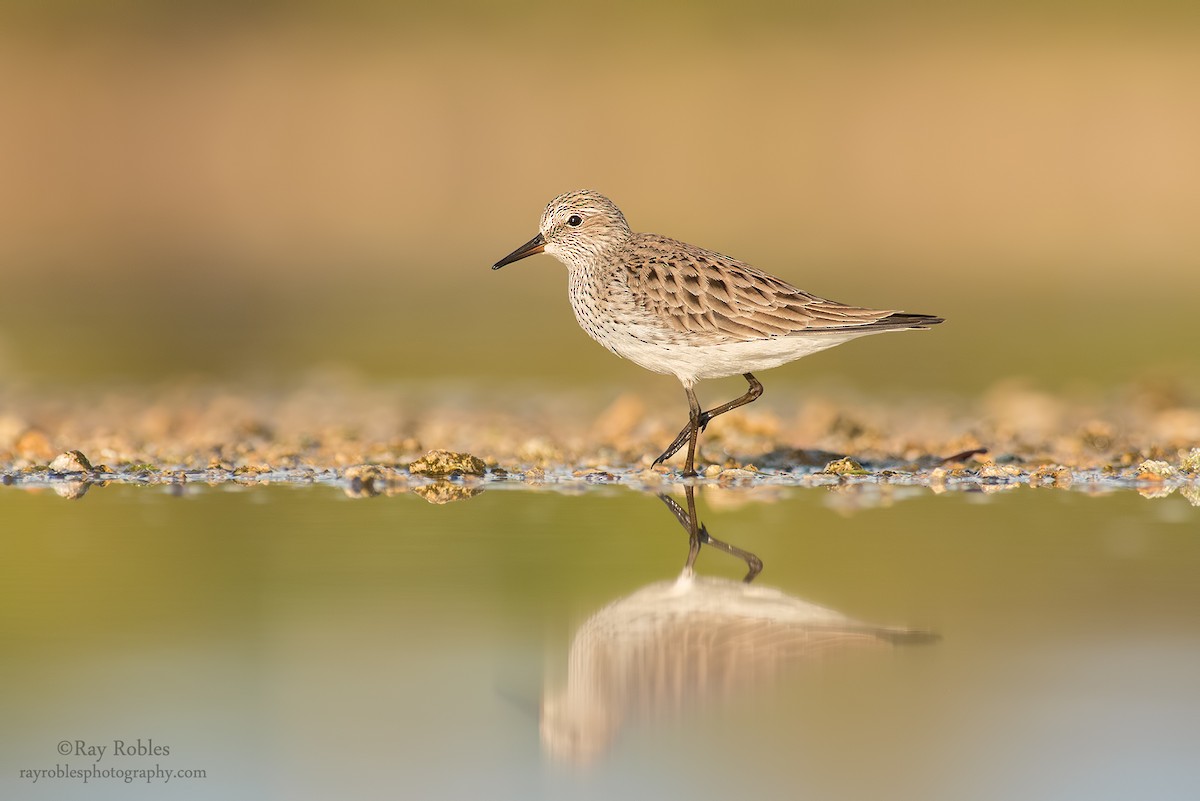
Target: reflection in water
673,644
72,490
368,481
443,492
698,535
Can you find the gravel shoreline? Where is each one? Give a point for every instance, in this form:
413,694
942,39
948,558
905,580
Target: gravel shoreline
374,439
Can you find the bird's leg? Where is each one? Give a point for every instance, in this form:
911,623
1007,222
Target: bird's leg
675,445
752,394
698,422
689,467
686,433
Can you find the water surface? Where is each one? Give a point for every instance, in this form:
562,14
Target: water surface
298,643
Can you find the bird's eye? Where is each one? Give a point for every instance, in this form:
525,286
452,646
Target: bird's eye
574,221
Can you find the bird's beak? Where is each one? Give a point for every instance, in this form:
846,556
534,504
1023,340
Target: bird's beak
533,246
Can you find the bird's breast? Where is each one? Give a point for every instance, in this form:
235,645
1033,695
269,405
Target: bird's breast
608,311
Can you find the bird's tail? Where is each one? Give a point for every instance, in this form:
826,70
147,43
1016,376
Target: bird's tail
903,320
907,636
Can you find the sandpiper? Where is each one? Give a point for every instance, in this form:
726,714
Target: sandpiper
675,644
681,310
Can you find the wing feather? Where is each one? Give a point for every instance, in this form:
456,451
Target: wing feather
692,290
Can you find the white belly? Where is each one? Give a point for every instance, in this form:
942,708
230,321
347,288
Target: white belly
691,363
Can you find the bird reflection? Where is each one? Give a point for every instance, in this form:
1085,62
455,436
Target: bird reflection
674,644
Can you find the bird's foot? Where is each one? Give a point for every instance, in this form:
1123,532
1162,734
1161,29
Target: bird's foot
676,445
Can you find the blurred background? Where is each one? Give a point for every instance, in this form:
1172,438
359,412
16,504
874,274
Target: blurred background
257,190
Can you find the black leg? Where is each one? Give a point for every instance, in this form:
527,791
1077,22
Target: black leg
698,421
694,528
754,565
676,444
752,394
689,467
698,535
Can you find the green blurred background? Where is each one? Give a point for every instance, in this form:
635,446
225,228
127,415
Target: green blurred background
259,189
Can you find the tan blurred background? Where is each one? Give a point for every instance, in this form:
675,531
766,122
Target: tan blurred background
258,190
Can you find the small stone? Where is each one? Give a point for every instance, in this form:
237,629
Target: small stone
1190,463
845,467
1003,472
1155,470
1052,474
736,474
363,480
447,463
71,462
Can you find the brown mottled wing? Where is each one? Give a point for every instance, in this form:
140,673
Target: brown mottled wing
693,290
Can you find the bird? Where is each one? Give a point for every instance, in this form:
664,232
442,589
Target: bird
678,309
676,644
673,645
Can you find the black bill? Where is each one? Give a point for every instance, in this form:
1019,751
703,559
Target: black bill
530,248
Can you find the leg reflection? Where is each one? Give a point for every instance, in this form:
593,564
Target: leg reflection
698,535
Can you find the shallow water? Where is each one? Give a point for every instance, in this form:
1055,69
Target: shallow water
297,643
